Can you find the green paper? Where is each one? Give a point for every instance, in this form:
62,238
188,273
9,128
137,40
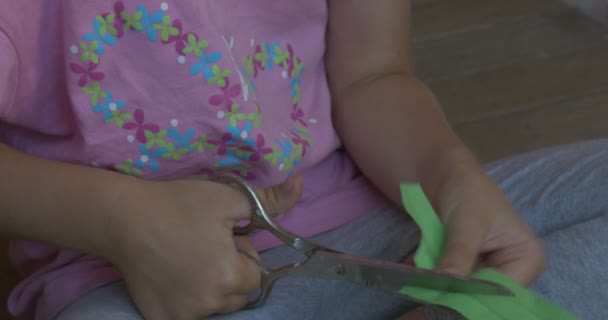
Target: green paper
525,304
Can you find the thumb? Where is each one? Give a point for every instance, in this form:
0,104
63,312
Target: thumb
463,245
281,198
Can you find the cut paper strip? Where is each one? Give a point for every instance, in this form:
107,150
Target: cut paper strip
525,304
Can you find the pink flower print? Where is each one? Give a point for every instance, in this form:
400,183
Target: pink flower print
180,39
205,172
260,149
298,140
244,173
228,93
86,73
119,8
290,59
141,126
297,114
223,144
259,59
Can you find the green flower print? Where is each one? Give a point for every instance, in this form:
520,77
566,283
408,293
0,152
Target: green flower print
133,21
165,28
303,132
156,139
128,168
106,25
298,66
274,157
201,145
88,52
298,93
119,118
248,63
256,116
281,57
262,56
219,76
234,116
174,153
296,155
95,92
195,46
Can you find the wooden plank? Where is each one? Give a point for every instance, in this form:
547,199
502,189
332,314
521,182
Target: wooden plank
565,122
522,86
431,18
507,42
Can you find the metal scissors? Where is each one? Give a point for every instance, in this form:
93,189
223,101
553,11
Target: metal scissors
329,264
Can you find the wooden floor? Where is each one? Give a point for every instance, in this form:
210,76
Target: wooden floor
512,76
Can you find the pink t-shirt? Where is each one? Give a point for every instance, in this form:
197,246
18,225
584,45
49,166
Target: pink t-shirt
171,90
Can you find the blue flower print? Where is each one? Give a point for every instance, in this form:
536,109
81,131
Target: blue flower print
108,106
101,37
243,135
294,84
287,148
205,63
180,140
271,49
229,161
148,21
148,158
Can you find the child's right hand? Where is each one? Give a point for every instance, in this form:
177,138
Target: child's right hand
177,251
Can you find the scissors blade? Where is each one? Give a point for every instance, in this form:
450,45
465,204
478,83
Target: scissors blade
392,277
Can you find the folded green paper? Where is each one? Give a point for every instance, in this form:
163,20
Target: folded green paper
524,305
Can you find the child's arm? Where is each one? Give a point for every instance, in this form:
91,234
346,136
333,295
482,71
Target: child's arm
389,120
64,205
181,230
394,129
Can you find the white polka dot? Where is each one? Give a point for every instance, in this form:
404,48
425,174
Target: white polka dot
95,164
284,74
251,42
74,49
181,59
113,106
220,114
174,123
131,138
164,6
281,167
244,135
145,158
312,120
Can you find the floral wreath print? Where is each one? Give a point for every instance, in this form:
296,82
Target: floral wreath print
238,146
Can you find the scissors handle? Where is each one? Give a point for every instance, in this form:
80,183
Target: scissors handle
269,278
260,219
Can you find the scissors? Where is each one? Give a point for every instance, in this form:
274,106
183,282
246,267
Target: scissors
328,264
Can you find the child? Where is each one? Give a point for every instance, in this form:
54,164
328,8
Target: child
113,114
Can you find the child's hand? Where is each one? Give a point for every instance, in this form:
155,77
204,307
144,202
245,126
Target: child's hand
483,228
178,255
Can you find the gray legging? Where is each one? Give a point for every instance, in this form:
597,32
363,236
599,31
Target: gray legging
561,192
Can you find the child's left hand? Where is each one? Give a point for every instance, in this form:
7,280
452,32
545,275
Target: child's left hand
484,229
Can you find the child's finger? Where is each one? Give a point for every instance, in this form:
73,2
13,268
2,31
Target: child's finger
464,241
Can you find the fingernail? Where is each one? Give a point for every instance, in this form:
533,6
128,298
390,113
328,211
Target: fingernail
452,271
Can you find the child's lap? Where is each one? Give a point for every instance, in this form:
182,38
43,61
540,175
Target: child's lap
384,234
559,192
